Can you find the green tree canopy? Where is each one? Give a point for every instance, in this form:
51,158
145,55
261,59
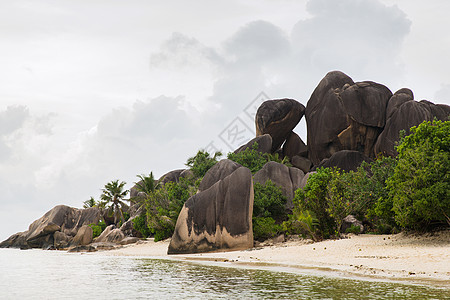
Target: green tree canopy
113,195
202,162
420,185
90,203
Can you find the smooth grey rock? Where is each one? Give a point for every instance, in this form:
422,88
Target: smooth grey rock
302,163
410,113
102,237
218,172
61,240
264,144
60,218
287,178
342,115
219,218
294,146
345,160
83,236
129,240
305,179
350,221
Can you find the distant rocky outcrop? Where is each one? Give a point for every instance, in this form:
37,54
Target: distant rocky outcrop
61,218
219,218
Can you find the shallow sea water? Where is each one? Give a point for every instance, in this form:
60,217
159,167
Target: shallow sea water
37,274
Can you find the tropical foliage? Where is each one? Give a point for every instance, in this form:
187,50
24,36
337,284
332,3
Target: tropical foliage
164,205
420,185
202,162
90,203
113,195
255,160
268,210
97,229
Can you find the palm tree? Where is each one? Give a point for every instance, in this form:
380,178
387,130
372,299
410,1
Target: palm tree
90,203
113,194
147,184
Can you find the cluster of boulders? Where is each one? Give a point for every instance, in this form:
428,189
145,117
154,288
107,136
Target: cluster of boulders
68,228
347,123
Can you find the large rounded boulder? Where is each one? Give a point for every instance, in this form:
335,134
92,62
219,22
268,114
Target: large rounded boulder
219,218
343,115
278,118
325,116
346,160
218,172
402,117
264,143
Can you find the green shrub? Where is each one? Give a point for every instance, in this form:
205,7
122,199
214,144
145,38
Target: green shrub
250,158
97,229
140,225
265,228
353,229
313,198
268,210
304,222
202,162
254,160
126,217
164,205
420,186
269,200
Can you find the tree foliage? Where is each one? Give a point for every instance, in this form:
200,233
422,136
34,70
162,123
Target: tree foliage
164,205
254,160
202,162
113,195
332,194
147,184
268,210
420,185
90,203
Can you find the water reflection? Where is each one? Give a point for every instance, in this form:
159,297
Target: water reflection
58,275
222,282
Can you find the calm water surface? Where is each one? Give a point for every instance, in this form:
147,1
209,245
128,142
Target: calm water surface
37,274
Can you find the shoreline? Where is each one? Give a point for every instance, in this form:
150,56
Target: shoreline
402,258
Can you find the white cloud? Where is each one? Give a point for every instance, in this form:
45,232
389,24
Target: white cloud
90,87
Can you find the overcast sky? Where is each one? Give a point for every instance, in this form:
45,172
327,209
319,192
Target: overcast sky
92,91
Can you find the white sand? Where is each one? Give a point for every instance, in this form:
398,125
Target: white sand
424,258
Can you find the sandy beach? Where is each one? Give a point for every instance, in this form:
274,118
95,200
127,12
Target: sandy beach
400,257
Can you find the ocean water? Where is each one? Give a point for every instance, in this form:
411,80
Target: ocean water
38,274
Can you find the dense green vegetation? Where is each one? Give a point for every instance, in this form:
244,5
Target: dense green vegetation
410,191
164,205
254,160
420,185
97,229
202,162
268,210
